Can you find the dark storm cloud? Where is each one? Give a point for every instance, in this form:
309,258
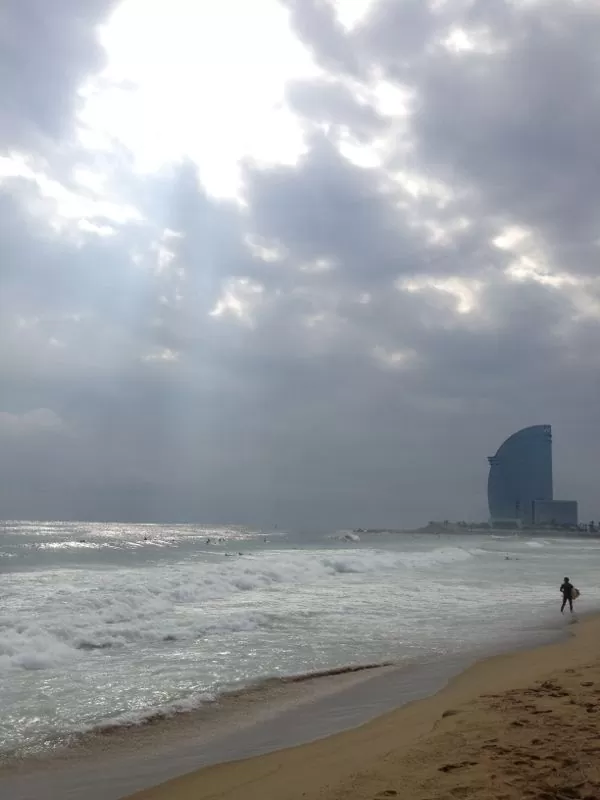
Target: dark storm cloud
512,132
344,348
397,32
516,123
47,49
316,23
331,209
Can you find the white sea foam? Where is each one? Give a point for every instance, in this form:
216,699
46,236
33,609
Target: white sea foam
126,607
344,536
141,716
31,647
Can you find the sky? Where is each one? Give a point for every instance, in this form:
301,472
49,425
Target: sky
295,262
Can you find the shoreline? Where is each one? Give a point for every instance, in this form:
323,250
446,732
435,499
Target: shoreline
495,533
522,723
275,714
289,689
266,698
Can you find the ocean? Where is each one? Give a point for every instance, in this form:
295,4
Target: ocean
106,626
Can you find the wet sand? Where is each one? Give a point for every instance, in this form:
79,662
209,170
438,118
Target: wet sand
115,762
520,725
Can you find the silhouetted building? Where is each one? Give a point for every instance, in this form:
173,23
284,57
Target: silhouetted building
520,474
520,487
520,481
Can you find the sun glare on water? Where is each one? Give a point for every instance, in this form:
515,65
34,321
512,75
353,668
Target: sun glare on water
199,79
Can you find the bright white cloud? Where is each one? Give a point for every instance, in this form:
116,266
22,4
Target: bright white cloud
202,80
64,204
464,292
351,12
393,359
239,299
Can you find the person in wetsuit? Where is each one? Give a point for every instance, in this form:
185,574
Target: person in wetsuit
567,593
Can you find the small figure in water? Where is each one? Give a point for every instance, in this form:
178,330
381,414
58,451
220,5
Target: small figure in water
567,593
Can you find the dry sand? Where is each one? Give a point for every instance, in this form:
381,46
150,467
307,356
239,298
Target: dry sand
515,726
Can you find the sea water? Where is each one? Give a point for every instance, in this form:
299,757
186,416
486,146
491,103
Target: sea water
110,625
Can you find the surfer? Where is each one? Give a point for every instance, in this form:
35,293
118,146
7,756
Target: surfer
567,593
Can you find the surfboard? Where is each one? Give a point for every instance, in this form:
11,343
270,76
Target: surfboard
576,594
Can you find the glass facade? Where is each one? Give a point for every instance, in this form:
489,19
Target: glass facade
556,512
520,474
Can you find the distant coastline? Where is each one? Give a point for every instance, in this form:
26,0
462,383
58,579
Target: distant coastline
461,528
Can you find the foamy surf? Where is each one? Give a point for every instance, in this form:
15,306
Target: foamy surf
129,607
115,634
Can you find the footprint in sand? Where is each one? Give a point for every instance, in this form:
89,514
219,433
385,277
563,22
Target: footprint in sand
461,791
458,765
568,791
387,793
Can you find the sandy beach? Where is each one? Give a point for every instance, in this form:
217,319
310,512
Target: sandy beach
513,726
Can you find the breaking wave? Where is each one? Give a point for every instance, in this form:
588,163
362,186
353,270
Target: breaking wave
174,604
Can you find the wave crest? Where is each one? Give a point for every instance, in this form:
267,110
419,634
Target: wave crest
182,602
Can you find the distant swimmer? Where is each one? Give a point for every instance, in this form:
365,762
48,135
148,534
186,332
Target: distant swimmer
568,593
